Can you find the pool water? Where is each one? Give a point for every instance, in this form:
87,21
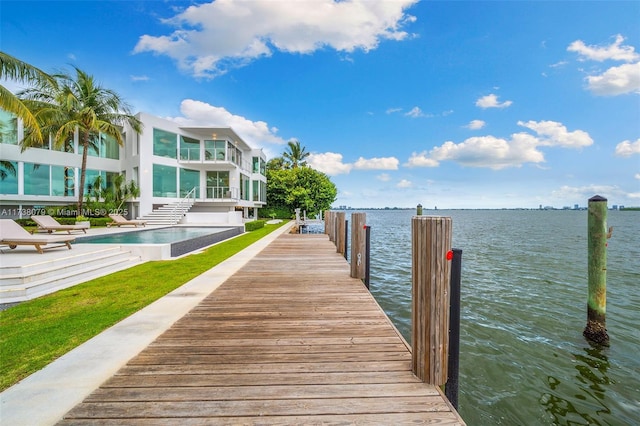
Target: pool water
168,242
151,236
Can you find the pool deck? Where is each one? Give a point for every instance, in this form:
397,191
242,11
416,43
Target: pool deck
25,255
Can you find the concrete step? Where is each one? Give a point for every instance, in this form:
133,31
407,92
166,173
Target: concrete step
45,282
41,271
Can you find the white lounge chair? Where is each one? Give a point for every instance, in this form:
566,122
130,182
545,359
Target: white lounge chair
13,235
119,220
49,224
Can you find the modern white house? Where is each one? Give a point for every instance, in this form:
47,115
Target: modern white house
209,175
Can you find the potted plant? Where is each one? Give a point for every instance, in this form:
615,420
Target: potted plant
83,220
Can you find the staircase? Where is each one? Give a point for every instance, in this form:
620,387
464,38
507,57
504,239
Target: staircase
170,214
26,282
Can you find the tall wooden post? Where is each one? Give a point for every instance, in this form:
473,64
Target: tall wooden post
431,240
596,330
340,225
330,223
358,221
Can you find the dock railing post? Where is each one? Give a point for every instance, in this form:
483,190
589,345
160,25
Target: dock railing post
596,330
453,364
431,241
346,239
340,225
367,256
358,221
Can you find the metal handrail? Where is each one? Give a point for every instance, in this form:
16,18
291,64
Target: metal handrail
175,216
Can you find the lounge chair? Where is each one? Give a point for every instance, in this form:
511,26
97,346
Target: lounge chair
13,235
119,220
49,224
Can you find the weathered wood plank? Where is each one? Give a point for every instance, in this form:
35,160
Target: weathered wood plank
277,343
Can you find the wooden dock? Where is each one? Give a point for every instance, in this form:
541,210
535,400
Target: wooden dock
289,339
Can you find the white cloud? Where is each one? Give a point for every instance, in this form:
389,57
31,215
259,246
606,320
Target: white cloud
385,163
210,38
255,133
555,134
491,101
499,153
393,110
332,163
329,163
614,51
415,113
628,148
637,176
404,184
421,160
384,177
616,80
475,124
581,194
139,78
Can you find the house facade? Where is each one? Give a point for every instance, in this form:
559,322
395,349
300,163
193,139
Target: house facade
222,177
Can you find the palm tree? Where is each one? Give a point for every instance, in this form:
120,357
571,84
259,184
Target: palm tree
77,103
295,154
14,69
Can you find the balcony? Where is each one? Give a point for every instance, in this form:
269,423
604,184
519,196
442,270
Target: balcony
206,157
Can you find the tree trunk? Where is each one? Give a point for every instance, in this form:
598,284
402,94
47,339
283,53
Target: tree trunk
83,170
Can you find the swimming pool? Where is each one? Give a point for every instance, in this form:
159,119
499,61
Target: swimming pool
181,240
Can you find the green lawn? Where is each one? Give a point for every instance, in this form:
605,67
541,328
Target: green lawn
34,333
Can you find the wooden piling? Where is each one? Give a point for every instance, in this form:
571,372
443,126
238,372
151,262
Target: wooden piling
358,253
596,330
329,224
340,228
431,240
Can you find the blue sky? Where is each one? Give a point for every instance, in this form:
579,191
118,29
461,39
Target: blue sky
450,104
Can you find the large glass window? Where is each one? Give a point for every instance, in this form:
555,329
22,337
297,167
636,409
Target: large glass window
259,191
36,179
109,147
214,150
164,181
8,128
165,144
218,185
62,181
244,187
8,177
107,180
90,177
234,154
258,166
189,179
189,149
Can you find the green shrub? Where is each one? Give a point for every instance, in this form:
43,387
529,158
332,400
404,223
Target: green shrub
276,213
252,226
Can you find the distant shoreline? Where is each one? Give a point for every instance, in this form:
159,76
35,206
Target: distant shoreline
479,209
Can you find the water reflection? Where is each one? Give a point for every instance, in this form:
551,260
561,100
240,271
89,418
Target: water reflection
589,406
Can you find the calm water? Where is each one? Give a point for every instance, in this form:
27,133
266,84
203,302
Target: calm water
523,360
151,236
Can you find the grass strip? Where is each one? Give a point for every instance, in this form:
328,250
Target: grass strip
36,332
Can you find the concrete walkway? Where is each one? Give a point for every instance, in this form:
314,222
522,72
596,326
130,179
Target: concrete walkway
44,397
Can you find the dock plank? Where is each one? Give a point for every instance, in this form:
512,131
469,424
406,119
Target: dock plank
288,339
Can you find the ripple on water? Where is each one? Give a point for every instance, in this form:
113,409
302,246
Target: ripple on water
523,359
